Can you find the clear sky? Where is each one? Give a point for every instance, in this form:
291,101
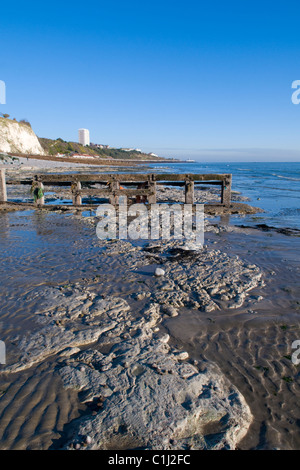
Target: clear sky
180,78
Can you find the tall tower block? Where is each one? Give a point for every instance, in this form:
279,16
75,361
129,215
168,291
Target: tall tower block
84,136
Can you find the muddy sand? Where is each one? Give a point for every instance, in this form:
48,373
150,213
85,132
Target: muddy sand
101,353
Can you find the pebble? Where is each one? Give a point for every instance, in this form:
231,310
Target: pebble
165,338
182,356
170,310
159,272
140,296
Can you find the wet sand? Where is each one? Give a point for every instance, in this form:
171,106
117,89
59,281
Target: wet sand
251,344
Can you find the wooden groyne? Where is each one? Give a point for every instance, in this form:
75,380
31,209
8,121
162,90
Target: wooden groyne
137,187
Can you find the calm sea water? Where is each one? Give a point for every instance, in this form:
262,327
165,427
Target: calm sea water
273,187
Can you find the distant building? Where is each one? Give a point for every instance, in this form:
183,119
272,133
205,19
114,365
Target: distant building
84,136
131,150
100,146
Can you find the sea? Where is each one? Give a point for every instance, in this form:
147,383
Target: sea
273,187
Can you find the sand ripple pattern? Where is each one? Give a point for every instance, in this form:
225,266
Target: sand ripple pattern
34,410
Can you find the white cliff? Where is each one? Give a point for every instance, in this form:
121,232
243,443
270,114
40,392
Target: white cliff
17,137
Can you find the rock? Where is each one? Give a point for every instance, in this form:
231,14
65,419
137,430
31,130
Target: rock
153,399
182,356
139,296
169,310
206,279
159,272
59,338
192,246
165,338
69,352
157,401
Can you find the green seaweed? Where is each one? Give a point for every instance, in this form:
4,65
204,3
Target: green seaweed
288,379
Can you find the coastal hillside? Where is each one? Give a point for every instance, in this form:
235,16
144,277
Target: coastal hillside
62,147
18,137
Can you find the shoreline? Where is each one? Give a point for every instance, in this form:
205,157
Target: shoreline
36,159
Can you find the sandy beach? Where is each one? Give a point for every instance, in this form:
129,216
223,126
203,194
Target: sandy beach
198,358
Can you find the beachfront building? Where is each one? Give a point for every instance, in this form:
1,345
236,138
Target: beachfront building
84,136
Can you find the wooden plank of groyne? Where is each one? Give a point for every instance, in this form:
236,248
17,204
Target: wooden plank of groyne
182,183
17,182
118,192
193,177
129,183
131,178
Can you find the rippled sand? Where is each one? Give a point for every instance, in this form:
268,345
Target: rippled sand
252,346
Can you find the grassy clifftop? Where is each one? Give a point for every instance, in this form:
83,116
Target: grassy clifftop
53,147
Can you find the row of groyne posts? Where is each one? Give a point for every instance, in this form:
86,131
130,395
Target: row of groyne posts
139,187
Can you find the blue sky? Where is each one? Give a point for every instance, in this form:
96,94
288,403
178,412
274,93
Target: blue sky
193,78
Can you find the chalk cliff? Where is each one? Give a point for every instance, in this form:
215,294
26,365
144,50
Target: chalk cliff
18,137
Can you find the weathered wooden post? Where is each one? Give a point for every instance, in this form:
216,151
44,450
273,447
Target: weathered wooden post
76,194
3,192
152,187
114,187
189,192
226,190
40,201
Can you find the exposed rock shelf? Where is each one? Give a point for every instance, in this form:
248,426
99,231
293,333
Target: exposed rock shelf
141,391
